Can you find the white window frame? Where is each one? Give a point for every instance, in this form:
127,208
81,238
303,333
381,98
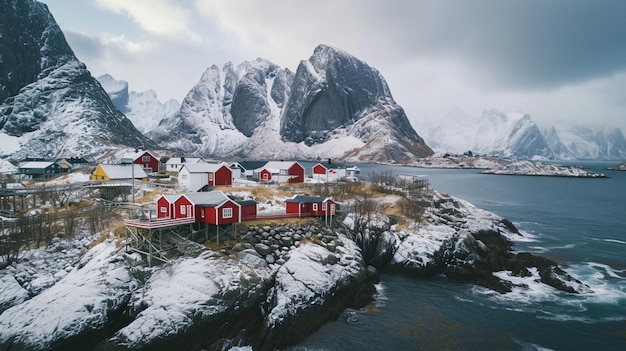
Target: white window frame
163,209
324,206
210,175
145,158
183,209
227,212
315,206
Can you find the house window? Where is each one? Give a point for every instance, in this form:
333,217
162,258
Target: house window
314,207
183,210
163,209
184,177
145,158
323,206
210,176
283,172
227,213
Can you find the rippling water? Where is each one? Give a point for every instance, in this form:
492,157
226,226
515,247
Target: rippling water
580,223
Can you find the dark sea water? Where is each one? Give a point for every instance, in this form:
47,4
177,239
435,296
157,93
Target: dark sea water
579,223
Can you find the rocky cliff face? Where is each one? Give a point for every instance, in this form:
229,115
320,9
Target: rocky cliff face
280,283
50,105
333,106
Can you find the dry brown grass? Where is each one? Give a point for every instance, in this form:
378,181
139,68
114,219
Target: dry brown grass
149,197
99,240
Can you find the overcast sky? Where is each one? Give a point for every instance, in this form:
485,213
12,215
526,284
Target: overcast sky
557,60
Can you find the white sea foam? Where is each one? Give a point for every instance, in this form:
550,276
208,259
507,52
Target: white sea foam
527,346
380,296
543,249
607,288
615,241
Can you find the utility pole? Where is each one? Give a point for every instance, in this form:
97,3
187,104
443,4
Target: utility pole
132,165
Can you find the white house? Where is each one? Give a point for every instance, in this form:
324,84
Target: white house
175,163
194,176
352,172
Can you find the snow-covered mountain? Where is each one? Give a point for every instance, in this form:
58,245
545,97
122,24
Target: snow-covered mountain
334,106
593,142
516,135
50,105
144,109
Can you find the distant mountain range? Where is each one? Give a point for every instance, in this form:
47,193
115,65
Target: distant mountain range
144,109
516,135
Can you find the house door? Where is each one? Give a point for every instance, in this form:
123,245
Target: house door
189,214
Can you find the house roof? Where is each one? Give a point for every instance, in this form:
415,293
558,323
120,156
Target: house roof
246,202
179,160
37,164
307,199
249,165
203,167
123,171
135,155
208,199
276,166
331,165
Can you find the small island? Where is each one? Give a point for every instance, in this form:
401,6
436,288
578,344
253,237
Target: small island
505,166
619,167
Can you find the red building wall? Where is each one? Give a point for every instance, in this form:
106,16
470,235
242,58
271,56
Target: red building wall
188,208
215,215
153,164
223,176
163,203
248,211
235,213
298,171
292,207
319,169
209,214
265,175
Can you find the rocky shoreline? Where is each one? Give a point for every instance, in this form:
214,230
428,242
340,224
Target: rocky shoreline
279,283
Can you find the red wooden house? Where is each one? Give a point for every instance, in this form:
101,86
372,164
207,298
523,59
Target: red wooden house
281,172
305,206
248,209
146,159
221,175
212,207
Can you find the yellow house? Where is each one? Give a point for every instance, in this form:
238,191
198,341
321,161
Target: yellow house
119,172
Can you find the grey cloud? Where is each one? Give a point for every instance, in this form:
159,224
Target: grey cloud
86,48
512,44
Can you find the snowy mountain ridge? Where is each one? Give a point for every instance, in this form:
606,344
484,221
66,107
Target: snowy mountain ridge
334,106
50,105
144,108
516,135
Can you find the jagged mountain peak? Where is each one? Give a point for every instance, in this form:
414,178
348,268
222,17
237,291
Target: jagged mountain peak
258,109
50,105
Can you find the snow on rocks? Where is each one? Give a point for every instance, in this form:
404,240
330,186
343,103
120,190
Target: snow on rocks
190,292
73,309
312,287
